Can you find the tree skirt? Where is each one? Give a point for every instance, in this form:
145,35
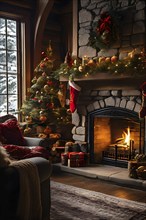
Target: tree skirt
72,203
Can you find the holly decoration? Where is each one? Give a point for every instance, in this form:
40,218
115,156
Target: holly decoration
104,31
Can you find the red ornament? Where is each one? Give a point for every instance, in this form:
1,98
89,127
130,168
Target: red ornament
50,82
114,59
43,54
43,118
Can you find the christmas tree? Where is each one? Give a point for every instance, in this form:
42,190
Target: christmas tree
44,106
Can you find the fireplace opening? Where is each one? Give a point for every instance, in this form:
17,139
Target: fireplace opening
115,136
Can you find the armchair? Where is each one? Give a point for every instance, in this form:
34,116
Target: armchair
10,188
29,149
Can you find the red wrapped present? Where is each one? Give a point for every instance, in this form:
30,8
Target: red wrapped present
78,155
76,162
78,159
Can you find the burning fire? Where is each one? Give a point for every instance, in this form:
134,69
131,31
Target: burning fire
126,137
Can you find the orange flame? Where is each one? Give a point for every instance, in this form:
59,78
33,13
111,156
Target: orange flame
126,137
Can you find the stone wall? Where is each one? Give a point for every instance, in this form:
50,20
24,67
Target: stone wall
131,36
92,100
131,26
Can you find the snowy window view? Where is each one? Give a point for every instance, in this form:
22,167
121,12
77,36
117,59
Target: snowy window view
8,67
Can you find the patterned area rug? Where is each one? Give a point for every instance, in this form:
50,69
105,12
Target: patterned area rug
72,203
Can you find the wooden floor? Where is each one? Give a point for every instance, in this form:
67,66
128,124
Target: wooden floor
100,186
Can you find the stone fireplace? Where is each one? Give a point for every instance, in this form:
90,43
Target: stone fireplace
106,109
109,104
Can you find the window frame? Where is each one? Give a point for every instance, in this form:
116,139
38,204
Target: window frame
25,53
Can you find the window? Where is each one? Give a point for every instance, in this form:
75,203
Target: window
9,66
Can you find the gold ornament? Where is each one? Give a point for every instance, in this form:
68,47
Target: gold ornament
46,88
28,119
80,68
27,131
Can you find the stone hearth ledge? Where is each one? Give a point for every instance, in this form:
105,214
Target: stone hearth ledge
112,174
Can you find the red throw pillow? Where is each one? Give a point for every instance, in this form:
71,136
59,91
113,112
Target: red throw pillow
17,152
11,133
44,153
21,152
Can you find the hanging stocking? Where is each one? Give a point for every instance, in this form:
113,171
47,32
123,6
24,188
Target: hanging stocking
142,112
74,92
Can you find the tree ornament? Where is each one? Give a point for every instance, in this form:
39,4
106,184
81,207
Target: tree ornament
44,74
43,118
47,130
28,119
27,131
41,80
43,54
46,88
34,80
80,68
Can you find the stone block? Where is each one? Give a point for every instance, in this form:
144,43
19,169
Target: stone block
88,51
84,16
75,118
80,130
96,105
117,102
90,108
130,93
102,103
130,105
110,101
123,103
137,107
83,39
104,93
77,137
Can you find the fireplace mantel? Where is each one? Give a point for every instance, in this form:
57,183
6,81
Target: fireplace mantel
106,80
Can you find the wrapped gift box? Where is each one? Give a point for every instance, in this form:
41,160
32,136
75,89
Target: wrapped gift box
76,162
75,159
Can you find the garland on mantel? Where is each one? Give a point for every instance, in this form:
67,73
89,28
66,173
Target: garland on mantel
132,65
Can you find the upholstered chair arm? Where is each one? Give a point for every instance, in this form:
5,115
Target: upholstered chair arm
35,141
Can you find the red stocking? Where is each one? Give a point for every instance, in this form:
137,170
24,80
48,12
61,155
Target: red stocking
74,92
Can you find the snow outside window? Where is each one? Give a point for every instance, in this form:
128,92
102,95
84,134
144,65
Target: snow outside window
8,66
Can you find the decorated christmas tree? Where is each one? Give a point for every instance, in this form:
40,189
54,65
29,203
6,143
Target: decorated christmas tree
44,108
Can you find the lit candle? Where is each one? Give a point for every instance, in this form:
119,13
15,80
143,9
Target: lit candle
84,60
